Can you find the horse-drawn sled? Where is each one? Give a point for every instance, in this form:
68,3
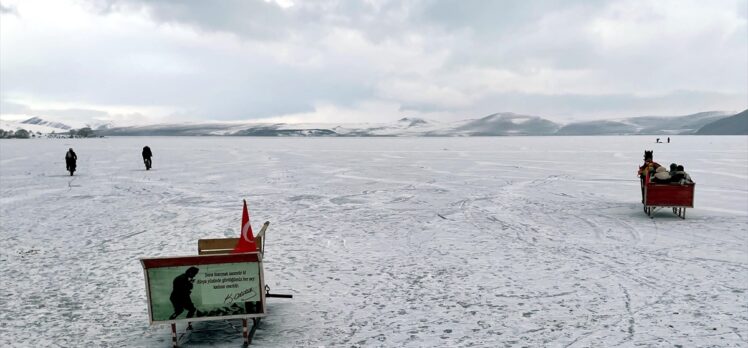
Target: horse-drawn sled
661,189
675,196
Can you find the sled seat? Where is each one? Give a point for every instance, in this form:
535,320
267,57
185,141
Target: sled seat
211,246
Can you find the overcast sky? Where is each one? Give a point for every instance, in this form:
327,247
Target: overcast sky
137,61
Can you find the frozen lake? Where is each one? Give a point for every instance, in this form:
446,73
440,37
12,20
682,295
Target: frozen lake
500,241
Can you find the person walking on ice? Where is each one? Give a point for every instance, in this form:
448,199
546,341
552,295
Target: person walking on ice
147,154
70,159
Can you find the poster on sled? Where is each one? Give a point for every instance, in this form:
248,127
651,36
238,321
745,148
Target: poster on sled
196,288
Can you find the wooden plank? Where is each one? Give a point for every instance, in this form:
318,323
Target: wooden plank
199,260
260,238
216,243
216,251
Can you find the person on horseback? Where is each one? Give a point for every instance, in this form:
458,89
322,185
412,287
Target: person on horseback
647,168
649,165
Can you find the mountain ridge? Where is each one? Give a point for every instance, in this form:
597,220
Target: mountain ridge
734,125
496,124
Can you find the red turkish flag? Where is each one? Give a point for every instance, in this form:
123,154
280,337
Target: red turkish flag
247,240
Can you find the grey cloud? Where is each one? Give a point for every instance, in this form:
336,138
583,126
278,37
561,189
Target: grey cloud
510,33
7,107
76,114
217,93
483,33
8,10
213,84
265,20
247,19
507,34
254,18
243,77
497,19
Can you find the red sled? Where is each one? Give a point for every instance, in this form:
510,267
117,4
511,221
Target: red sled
675,196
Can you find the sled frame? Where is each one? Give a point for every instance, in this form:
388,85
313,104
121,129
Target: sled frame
247,332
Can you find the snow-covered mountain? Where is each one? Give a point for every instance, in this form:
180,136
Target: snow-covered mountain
733,125
498,124
507,124
406,126
688,124
39,122
495,124
34,125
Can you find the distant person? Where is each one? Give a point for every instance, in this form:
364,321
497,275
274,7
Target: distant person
147,154
180,293
668,140
70,159
658,140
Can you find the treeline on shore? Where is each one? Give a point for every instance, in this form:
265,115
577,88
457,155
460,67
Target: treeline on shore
85,132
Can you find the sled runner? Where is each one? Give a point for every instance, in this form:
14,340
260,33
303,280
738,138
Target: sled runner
672,195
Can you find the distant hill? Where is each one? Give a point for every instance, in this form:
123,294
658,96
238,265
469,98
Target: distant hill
597,128
688,124
495,124
650,125
274,132
733,125
507,124
162,130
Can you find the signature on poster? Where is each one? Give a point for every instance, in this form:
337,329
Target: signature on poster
246,294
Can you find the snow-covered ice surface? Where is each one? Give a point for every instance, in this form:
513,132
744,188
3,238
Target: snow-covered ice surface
500,241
